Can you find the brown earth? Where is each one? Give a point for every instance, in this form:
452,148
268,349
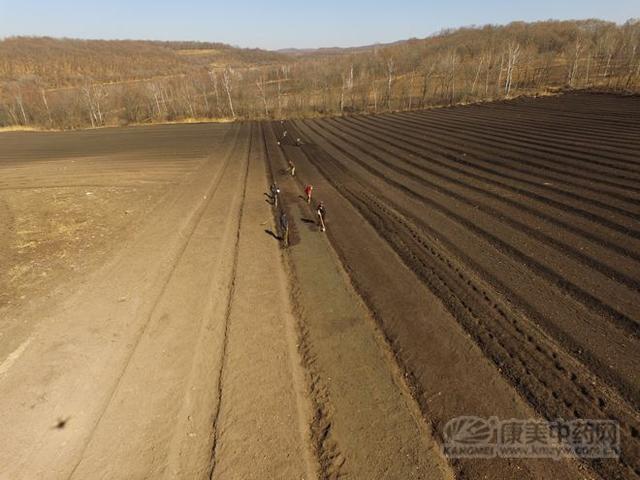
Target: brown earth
480,260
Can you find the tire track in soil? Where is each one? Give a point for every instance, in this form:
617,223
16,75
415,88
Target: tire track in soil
263,414
543,372
227,316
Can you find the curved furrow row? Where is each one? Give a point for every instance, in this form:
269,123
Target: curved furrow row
618,267
533,138
545,375
575,113
577,128
511,243
606,214
624,200
558,132
557,166
537,207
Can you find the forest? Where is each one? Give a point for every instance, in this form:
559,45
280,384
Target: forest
67,83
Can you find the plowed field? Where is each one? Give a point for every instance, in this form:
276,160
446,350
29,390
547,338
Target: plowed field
480,260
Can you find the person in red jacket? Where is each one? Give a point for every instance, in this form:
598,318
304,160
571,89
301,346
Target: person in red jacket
308,190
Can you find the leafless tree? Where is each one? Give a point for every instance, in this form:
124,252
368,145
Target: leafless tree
260,83
513,53
228,86
43,95
390,72
573,67
475,79
94,95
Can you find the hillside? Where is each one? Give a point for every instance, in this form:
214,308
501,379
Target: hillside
61,83
59,63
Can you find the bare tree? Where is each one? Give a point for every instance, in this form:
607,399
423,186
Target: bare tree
214,81
426,78
260,83
227,83
390,72
475,79
43,95
20,104
513,53
411,82
573,67
452,75
94,95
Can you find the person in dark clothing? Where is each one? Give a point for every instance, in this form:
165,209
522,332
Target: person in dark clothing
284,228
322,215
275,193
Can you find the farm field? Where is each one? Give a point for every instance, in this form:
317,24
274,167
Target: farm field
478,260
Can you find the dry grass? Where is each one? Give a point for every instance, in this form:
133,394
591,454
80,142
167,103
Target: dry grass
21,128
196,52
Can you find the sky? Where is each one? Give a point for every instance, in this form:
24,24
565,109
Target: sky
285,24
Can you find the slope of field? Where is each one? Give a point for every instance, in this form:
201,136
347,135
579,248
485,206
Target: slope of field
522,219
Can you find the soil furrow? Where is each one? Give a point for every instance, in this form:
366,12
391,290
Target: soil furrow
559,198
549,375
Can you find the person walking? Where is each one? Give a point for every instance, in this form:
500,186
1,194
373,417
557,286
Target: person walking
284,228
275,193
308,190
322,215
292,168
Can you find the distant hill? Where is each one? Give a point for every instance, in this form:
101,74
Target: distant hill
312,52
66,62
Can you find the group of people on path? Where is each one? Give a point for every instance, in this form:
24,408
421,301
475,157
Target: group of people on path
308,191
283,220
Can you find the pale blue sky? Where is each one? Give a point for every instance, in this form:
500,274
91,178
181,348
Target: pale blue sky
273,24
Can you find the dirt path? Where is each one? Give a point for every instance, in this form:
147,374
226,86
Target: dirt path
367,425
262,425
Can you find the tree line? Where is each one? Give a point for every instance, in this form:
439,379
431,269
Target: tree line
53,83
